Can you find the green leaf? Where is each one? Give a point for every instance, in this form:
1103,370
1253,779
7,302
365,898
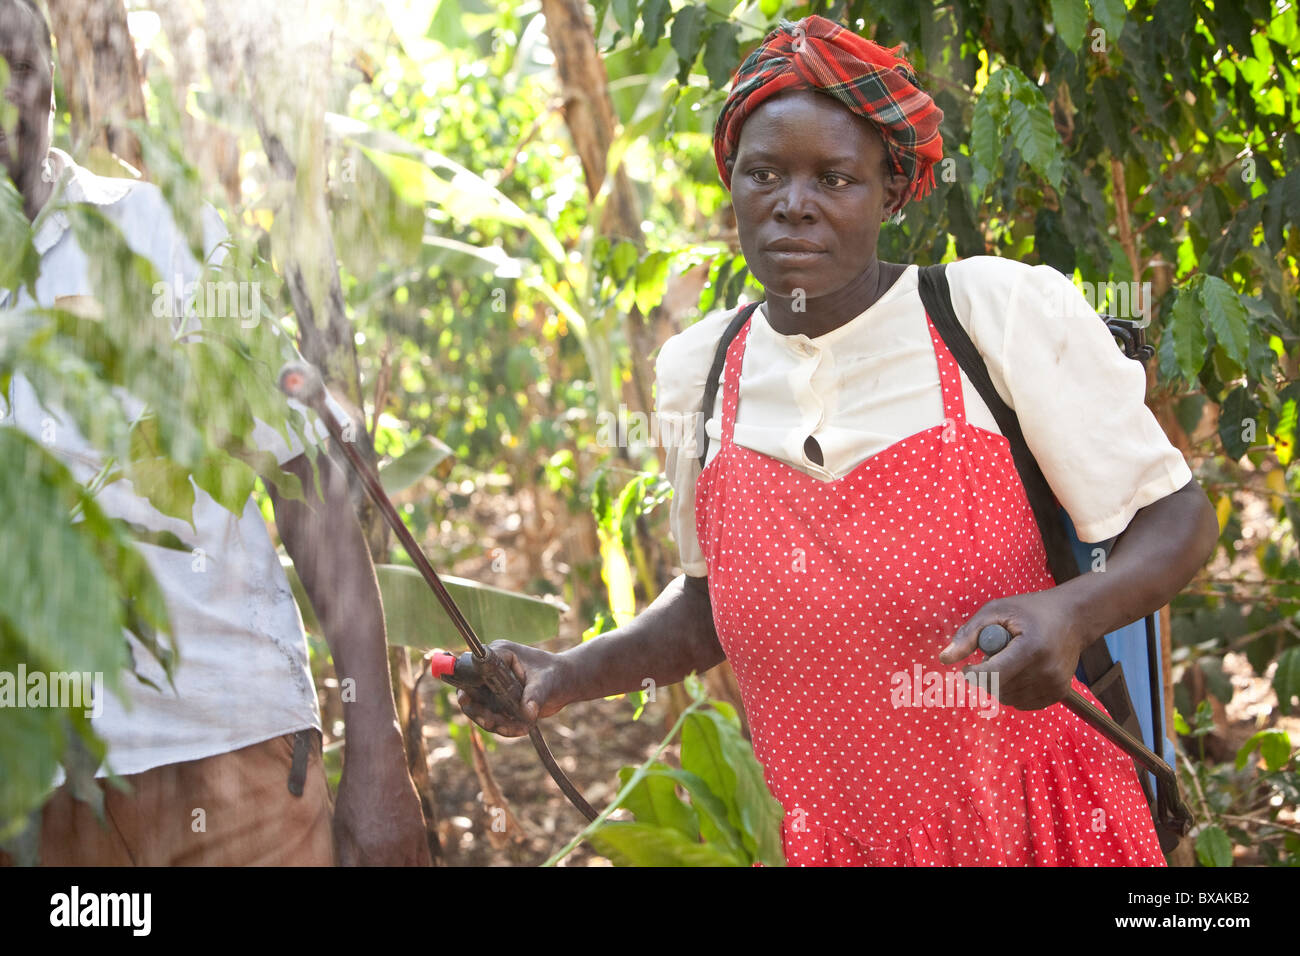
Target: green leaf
686,36
228,480
1012,106
1052,241
1284,431
638,844
415,619
1286,679
654,14
987,120
80,762
1110,14
1274,746
625,12
1111,114
713,748
622,260
19,262
418,461
159,539
651,280
425,176
37,734
702,754
1213,848
1180,724
1034,133
1189,411
654,802
1227,317
722,52
123,281
56,596
1187,329
140,596
713,822
769,8
1203,721
1070,17
166,485
602,503
1238,409
75,374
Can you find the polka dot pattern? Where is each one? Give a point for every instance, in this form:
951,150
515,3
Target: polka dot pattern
824,591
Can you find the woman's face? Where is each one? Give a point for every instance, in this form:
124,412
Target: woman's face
810,187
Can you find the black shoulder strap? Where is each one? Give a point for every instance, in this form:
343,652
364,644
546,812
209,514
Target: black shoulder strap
937,299
715,372
1105,678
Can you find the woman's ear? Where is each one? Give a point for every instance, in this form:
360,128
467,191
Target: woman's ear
896,193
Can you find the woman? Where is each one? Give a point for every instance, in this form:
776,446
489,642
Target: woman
859,519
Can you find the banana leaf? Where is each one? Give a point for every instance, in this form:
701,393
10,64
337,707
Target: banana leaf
415,619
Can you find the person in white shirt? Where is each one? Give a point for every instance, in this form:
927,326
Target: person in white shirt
860,519
225,768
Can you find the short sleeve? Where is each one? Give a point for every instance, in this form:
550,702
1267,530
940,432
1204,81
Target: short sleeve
681,372
1080,401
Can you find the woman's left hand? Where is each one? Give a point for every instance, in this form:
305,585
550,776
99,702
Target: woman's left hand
1034,670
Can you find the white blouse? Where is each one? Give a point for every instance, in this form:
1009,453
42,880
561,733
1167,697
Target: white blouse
874,381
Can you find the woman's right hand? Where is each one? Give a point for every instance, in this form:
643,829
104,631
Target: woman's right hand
543,676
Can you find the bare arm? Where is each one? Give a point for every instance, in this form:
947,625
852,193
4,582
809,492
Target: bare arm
378,820
667,641
1163,547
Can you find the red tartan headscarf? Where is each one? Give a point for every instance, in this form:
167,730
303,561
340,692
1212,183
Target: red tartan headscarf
872,81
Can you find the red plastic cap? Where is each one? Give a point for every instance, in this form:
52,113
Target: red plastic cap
441,663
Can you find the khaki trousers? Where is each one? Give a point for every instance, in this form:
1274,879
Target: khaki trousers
232,809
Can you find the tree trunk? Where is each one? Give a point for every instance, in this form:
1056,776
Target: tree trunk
589,116
100,74
593,125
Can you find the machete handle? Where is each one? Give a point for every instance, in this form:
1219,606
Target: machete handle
993,638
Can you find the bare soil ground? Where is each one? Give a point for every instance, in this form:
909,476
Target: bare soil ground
590,741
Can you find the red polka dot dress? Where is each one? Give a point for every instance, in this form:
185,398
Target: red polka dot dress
832,601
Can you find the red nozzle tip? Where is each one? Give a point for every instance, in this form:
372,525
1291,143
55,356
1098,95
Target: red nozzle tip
441,663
